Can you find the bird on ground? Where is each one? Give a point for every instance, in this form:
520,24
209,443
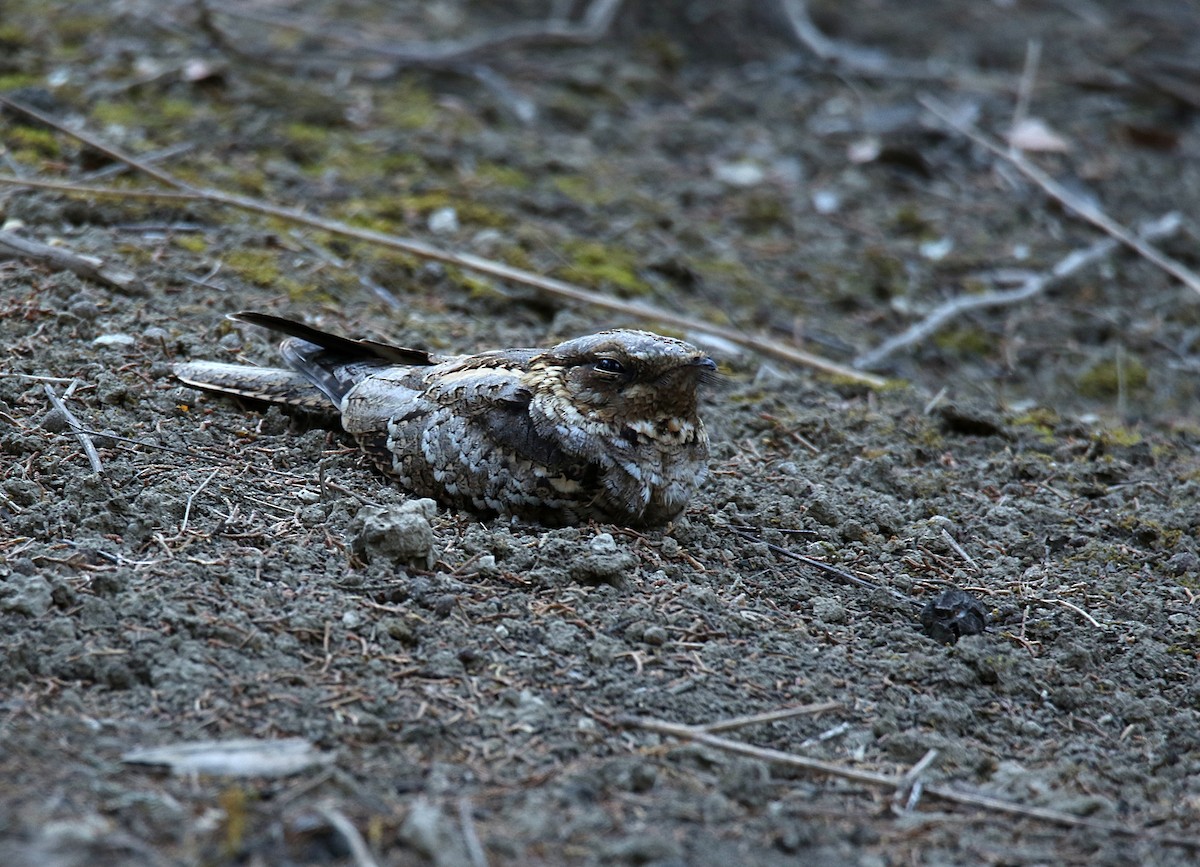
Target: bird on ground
602,427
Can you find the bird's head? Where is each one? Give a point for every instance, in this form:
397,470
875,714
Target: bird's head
623,384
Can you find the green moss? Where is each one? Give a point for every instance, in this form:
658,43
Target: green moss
1042,419
13,38
1109,378
594,264
30,140
306,143
257,266
386,212
409,106
965,341
583,189
251,181
495,174
136,255
468,211
403,164
78,27
173,110
1150,533
1118,436
191,243
41,145
302,293
118,114
12,82
727,272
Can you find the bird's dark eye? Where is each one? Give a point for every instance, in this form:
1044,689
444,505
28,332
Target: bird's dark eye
610,365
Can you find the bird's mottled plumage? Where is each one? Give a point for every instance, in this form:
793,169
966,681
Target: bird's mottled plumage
602,426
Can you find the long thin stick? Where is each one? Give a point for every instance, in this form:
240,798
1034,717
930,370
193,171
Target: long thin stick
699,735
548,285
1065,197
770,716
13,246
596,21
359,850
81,434
1035,284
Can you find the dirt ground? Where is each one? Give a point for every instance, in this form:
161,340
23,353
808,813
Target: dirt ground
468,698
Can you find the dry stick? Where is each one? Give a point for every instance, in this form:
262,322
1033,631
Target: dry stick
359,850
959,550
1073,607
548,285
1035,284
596,21
187,510
770,716
827,735
821,565
889,781
89,448
1033,57
470,837
1065,197
856,59
13,246
853,57
911,785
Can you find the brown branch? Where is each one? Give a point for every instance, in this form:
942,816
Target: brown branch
596,21
1063,196
13,246
1074,261
725,725
81,433
547,285
902,783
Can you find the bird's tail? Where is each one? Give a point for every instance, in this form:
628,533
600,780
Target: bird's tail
269,384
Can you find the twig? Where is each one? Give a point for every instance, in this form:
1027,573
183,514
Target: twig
470,837
1069,605
13,246
699,735
958,549
770,716
547,285
827,735
81,434
1065,197
890,781
187,509
852,57
821,565
908,792
108,150
855,59
1033,57
1035,284
359,850
596,21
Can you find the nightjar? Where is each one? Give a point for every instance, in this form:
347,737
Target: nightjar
602,426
